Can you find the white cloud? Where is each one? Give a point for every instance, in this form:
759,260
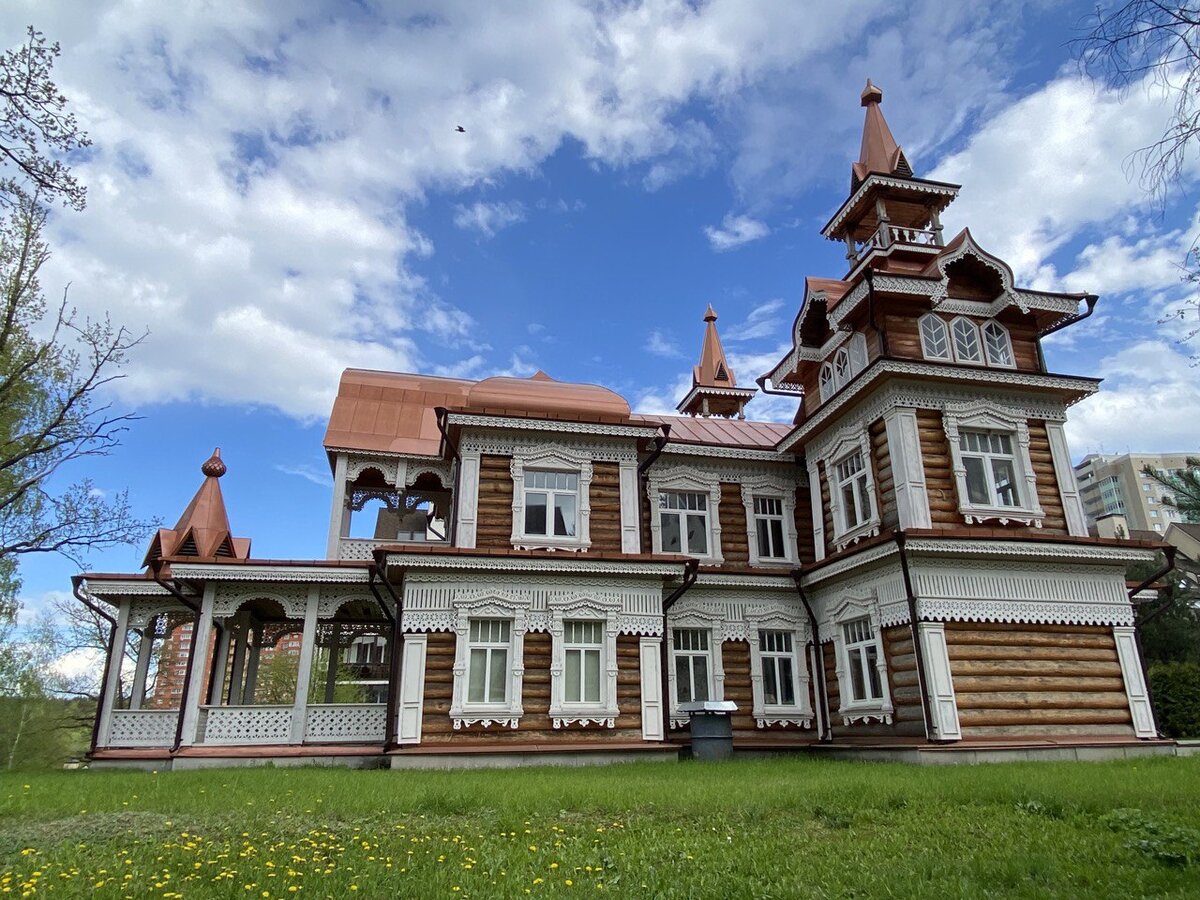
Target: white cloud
1149,403
1049,166
734,232
488,218
316,474
761,323
660,345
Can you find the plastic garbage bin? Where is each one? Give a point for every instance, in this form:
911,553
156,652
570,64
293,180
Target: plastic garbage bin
711,727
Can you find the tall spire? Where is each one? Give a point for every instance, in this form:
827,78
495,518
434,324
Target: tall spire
203,529
879,152
714,386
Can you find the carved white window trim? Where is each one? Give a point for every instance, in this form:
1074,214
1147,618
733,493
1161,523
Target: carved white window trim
782,490
800,713
970,328
507,714
944,330
983,415
700,620
686,479
993,325
551,459
851,711
827,382
848,440
606,711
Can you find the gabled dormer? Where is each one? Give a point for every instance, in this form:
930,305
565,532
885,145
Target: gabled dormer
891,218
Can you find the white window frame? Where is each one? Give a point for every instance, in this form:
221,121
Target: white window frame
552,459
845,442
827,381
974,330
785,492
878,709
604,712
993,326
695,621
858,353
685,479
842,370
507,714
926,350
799,713
981,415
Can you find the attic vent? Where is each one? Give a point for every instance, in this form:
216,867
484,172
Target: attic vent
188,547
721,375
225,548
155,548
903,169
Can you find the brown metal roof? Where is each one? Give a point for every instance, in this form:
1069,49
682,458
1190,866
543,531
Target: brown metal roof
203,529
541,394
391,412
720,431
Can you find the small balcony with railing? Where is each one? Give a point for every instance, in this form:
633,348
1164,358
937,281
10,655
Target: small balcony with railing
377,514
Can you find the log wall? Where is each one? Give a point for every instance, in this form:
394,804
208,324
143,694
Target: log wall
535,724
1037,679
805,539
885,485
605,496
908,718
735,541
494,529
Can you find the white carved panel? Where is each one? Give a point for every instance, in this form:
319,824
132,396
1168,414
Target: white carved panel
143,727
330,722
248,725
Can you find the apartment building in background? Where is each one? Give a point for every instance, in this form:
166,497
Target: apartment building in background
1119,499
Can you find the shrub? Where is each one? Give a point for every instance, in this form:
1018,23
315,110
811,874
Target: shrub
1175,688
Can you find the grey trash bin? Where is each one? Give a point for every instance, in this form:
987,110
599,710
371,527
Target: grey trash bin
712,728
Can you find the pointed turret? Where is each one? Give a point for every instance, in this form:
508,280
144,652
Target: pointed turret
891,217
879,153
203,529
714,386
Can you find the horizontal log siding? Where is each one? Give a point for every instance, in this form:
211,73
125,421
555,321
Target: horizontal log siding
904,337
805,539
885,485
605,497
494,529
1037,679
735,541
943,495
908,718
826,509
535,724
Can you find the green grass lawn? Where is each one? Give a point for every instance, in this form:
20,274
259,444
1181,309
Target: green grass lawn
777,828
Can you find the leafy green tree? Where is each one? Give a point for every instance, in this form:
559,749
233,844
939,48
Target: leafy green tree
1170,625
1183,488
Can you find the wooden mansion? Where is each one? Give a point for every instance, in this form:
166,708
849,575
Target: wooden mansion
525,569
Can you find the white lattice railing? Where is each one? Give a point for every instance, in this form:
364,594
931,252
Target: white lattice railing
143,727
336,722
362,548
248,725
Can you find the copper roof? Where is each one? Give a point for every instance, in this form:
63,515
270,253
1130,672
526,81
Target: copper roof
712,358
723,432
541,394
879,152
391,412
203,529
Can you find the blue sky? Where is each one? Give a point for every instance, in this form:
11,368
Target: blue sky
278,195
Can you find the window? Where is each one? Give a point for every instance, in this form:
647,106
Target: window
935,340
551,499
841,366
683,519
1146,488
692,676
997,345
966,341
990,467
851,483
583,643
827,385
768,525
858,352
1154,513
487,667
778,668
862,660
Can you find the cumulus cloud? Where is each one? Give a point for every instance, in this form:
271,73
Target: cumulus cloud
661,345
488,218
734,232
764,321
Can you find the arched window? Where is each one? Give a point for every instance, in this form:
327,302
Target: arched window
935,338
966,341
827,386
858,352
841,366
997,344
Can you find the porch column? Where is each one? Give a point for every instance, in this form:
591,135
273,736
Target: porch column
220,664
254,652
112,675
331,668
239,638
304,669
192,698
337,515
137,693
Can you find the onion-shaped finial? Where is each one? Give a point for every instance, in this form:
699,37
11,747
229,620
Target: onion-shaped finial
213,467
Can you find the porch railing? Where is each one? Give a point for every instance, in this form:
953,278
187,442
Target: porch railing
349,722
248,725
143,727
